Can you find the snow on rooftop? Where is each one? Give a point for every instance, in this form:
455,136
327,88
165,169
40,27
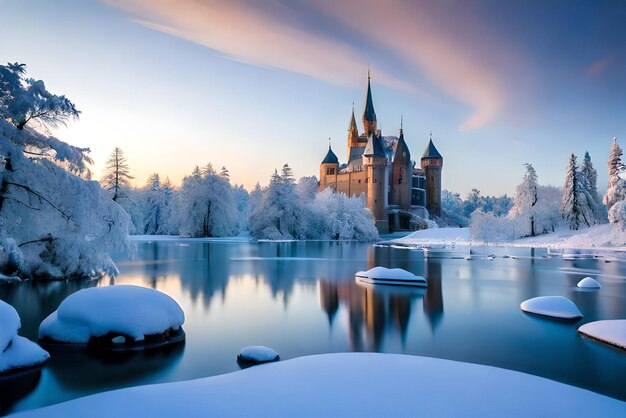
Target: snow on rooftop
554,306
612,331
349,385
122,309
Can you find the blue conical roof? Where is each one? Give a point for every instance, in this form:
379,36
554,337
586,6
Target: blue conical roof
369,113
330,158
431,151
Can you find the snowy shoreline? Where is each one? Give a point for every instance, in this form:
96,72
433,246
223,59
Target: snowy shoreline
602,237
395,384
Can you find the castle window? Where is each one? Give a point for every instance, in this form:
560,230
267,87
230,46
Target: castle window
400,179
330,171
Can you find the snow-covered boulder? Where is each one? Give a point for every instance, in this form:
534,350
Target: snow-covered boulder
612,331
553,306
349,385
115,316
395,276
16,352
257,354
589,283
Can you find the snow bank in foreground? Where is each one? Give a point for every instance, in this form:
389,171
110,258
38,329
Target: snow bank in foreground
257,354
554,306
124,310
15,351
349,385
609,331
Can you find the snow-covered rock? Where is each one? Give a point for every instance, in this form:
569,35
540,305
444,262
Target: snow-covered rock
396,276
16,352
589,283
349,385
612,331
132,312
22,353
257,354
554,306
9,324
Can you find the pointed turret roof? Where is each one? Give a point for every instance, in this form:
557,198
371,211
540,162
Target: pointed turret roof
353,126
402,144
369,113
330,158
374,147
431,151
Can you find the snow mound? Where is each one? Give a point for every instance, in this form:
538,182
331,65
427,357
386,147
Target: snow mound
612,331
257,354
22,353
554,306
589,283
335,385
383,275
15,351
9,324
132,312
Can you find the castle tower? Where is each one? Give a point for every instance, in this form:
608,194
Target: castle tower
432,163
375,163
329,169
402,172
353,135
369,115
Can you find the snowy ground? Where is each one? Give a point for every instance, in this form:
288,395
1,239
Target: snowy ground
152,238
604,236
349,385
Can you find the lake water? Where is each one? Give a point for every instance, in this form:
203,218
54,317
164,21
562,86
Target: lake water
301,298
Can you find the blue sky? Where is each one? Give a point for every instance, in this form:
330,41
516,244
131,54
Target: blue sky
252,85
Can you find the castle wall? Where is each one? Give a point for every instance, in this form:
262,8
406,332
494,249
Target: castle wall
352,183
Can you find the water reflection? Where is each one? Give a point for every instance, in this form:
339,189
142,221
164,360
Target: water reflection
301,298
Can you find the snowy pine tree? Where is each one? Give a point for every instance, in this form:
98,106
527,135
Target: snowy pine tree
153,206
574,206
616,190
117,174
526,198
589,180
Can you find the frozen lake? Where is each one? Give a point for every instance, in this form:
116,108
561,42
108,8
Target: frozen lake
301,298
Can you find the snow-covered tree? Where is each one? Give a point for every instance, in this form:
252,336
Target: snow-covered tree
154,206
241,199
589,181
116,174
452,208
207,203
617,214
574,206
53,224
307,188
472,202
526,198
487,227
616,190
23,100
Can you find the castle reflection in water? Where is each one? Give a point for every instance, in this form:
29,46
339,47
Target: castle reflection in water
374,311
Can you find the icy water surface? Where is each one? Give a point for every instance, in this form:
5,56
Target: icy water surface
301,298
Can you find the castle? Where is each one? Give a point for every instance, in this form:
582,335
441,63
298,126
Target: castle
381,168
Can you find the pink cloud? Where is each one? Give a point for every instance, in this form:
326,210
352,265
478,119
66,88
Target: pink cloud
600,66
448,46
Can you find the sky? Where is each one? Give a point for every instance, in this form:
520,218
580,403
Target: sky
252,85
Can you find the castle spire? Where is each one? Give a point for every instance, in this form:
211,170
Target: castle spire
369,115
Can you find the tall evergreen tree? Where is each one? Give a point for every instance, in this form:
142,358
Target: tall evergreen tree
589,179
616,190
526,198
117,174
574,208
